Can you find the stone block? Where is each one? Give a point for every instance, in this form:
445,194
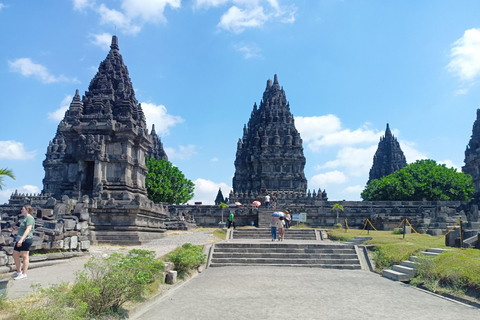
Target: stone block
84,216
3,258
46,213
81,225
66,243
71,233
171,277
73,242
41,257
53,226
2,240
47,245
82,238
85,245
8,249
57,244
69,224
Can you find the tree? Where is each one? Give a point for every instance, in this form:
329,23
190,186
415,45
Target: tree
166,183
337,207
424,179
5,172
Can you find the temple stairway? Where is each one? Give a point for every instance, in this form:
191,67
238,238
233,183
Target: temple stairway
290,253
265,233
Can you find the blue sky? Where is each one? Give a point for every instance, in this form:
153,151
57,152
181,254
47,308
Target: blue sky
347,68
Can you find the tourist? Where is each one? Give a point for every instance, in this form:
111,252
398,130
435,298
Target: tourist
267,201
231,220
288,219
24,240
273,226
281,228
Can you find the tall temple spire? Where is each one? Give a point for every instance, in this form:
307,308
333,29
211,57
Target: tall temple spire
388,158
266,155
472,156
114,45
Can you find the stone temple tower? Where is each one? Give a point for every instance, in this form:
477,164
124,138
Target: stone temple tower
100,145
99,152
270,156
472,156
388,158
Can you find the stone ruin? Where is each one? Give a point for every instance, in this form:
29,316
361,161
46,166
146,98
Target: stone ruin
269,157
96,161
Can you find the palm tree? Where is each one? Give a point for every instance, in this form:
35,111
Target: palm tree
337,207
5,172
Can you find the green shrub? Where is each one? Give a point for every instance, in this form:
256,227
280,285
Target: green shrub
338,226
186,258
109,283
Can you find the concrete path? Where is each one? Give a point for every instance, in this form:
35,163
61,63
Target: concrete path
300,293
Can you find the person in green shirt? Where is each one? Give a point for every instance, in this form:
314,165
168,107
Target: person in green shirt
23,243
231,220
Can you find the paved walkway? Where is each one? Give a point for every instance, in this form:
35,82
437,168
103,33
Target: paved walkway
300,293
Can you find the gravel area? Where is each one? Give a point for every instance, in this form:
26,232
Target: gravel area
163,246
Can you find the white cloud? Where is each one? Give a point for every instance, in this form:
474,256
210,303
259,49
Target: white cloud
249,50
183,153
206,191
214,159
356,161
325,131
2,6
450,164
148,10
410,151
209,3
353,189
158,116
27,68
103,40
236,19
26,189
323,180
465,54
118,19
14,150
59,114
80,5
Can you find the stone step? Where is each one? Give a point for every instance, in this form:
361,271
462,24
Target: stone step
272,244
268,261
436,250
286,250
404,269
413,258
395,275
325,266
277,255
408,263
430,254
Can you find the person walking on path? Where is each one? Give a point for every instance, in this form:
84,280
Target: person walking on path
23,243
281,228
231,220
267,201
273,226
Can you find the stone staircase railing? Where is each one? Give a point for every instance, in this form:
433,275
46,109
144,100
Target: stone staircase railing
406,270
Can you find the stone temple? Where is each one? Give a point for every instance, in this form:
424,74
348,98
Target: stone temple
269,158
99,151
388,158
472,157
